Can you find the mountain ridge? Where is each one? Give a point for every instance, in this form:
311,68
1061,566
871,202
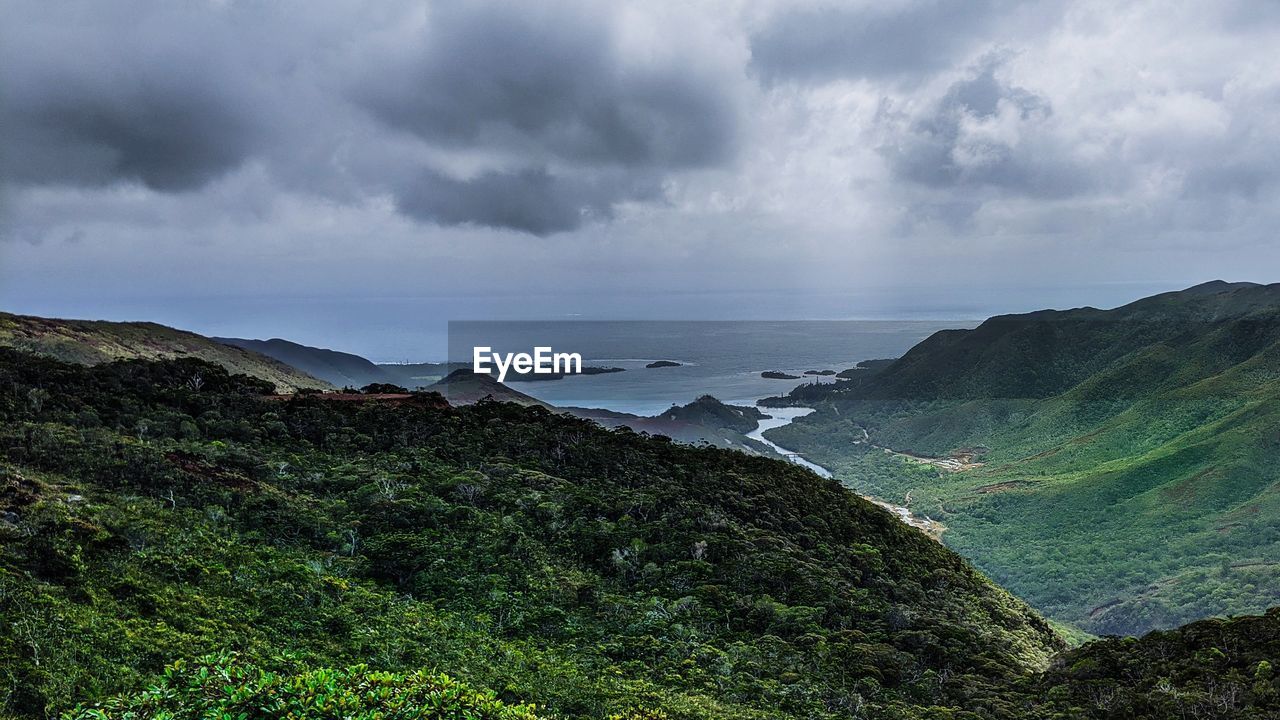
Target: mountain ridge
1145,433
91,342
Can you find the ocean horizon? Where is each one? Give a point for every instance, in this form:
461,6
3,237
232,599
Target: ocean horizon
724,359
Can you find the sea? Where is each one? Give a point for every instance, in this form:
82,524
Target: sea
724,359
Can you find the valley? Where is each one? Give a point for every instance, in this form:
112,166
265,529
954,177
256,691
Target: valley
782,416
162,510
1116,468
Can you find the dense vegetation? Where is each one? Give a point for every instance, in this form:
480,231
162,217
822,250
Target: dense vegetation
220,687
356,556
710,412
1208,669
146,519
1129,478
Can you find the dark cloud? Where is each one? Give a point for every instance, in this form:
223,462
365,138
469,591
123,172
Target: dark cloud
536,85
554,79
532,200
93,96
348,104
298,116
874,40
167,140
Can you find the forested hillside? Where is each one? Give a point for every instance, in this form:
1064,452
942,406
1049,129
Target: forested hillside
1119,465
329,557
592,572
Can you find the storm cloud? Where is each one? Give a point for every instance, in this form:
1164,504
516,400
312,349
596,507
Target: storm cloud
578,145
525,78
532,200
520,116
92,96
554,96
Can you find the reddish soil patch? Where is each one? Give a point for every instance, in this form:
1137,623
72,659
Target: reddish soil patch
191,465
1047,453
419,399
16,491
1185,491
1103,608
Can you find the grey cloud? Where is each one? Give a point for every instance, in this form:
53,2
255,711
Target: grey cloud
547,85
345,104
531,200
944,147
875,40
553,79
93,95
168,141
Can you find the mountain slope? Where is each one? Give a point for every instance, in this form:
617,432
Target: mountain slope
93,341
596,573
336,368
1208,669
1130,455
343,369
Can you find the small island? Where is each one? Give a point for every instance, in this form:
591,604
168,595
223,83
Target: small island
513,376
823,373
778,375
663,363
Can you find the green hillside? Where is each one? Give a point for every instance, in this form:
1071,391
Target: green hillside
173,550
595,573
1209,669
1128,457
94,341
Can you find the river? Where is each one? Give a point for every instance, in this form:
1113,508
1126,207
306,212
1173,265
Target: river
784,415
777,418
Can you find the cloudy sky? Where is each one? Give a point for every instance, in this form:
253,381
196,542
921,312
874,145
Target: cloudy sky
309,168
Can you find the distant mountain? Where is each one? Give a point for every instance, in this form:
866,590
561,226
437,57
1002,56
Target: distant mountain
345,369
709,411
1041,354
1118,467
705,420
90,342
464,387
337,368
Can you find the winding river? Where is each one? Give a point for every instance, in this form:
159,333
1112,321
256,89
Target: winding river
784,415
779,416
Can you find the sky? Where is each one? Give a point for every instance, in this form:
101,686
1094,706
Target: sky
330,171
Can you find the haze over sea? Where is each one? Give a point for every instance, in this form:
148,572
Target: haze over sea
720,358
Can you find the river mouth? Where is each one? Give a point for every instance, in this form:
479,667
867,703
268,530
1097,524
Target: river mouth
779,416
